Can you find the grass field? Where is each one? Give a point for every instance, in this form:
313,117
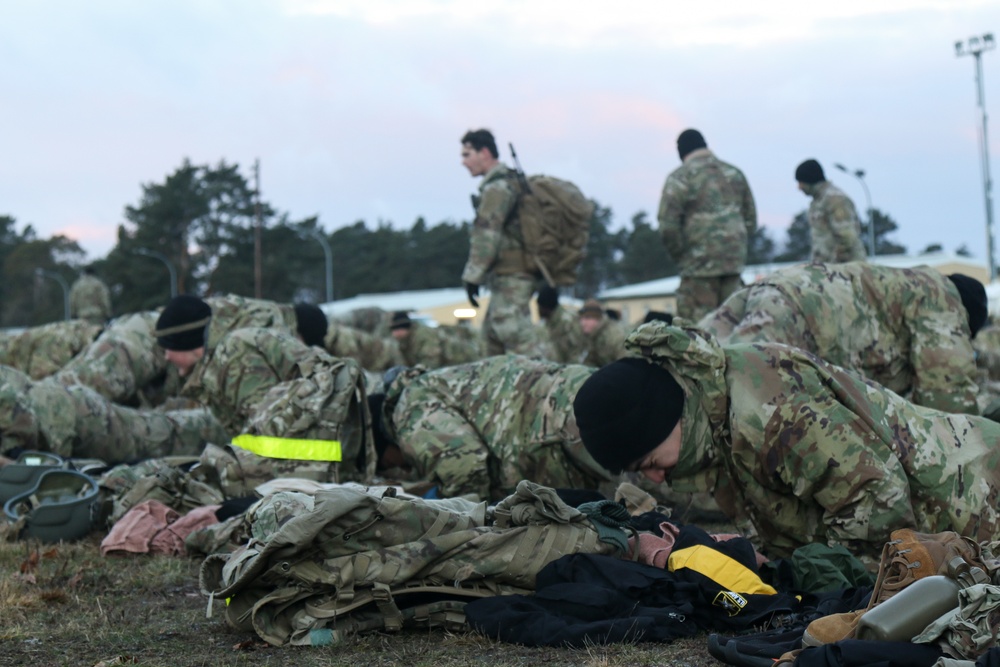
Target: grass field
68,605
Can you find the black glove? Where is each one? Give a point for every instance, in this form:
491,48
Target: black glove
472,290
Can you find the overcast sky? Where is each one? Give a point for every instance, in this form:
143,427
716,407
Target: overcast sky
355,107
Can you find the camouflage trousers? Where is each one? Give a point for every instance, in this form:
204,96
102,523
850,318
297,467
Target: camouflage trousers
699,295
507,327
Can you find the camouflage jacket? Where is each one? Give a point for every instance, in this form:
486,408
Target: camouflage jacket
460,344
834,225
605,344
263,381
904,328
43,350
374,353
231,312
480,428
495,242
77,421
90,299
422,346
568,342
706,214
807,452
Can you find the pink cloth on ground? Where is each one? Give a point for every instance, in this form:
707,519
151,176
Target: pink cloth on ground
152,527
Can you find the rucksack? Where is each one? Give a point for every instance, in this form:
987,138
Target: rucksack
555,224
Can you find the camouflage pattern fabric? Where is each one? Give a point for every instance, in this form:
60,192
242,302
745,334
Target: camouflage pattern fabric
77,421
370,320
605,344
479,428
90,299
566,338
799,451
834,225
495,242
697,297
904,328
231,312
507,326
986,345
43,350
706,214
374,353
460,344
422,346
262,381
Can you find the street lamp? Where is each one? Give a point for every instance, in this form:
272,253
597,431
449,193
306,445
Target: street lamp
860,175
163,258
328,256
975,46
65,287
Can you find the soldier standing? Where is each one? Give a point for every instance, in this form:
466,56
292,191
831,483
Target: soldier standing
833,220
90,298
707,213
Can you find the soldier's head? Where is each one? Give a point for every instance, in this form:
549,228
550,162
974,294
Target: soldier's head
400,325
689,141
591,316
808,174
629,416
310,324
974,299
182,331
547,300
479,151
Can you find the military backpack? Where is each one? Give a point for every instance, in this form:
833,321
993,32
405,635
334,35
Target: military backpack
555,223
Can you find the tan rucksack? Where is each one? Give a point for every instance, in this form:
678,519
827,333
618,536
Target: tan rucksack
555,223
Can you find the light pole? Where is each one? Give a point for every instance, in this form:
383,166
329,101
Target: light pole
860,175
163,258
975,46
65,287
328,255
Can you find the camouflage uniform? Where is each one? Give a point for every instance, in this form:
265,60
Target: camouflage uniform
497,258
422,346
987,348
482,427
605,344
569,344
903,328
833,225
460,344
41,351
706,215
262,381
374,353
90,299
807,452
77,421
370,320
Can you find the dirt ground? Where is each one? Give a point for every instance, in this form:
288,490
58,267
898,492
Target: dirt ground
68,605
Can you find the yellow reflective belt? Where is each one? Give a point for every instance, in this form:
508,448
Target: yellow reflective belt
720,568
290,448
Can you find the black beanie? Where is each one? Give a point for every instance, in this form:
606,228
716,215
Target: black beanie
183,324
625,410
690,140
973,298
809,172
311,323
400,320
548,297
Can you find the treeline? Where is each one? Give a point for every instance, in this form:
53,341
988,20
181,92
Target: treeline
201,222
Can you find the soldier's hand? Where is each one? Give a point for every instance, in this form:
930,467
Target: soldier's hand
472,290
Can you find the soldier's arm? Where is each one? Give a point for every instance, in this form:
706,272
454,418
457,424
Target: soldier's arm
748,207
495,208
944,363
673,201
842,219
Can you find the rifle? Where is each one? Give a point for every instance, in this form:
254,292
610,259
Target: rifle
521,179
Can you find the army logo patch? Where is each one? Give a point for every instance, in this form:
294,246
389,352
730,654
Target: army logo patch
732,602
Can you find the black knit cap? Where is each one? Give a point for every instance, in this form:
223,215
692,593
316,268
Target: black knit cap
400,320
809,172
625,410
183,324
689,140
311,323
548,297
973,298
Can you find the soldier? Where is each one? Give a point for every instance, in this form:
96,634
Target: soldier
707,213
482,427
43,350
496,250
567,340
291,401
908,329
374,353
793,447
90,298
604,338
77,421
419,344
370,319
833,220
